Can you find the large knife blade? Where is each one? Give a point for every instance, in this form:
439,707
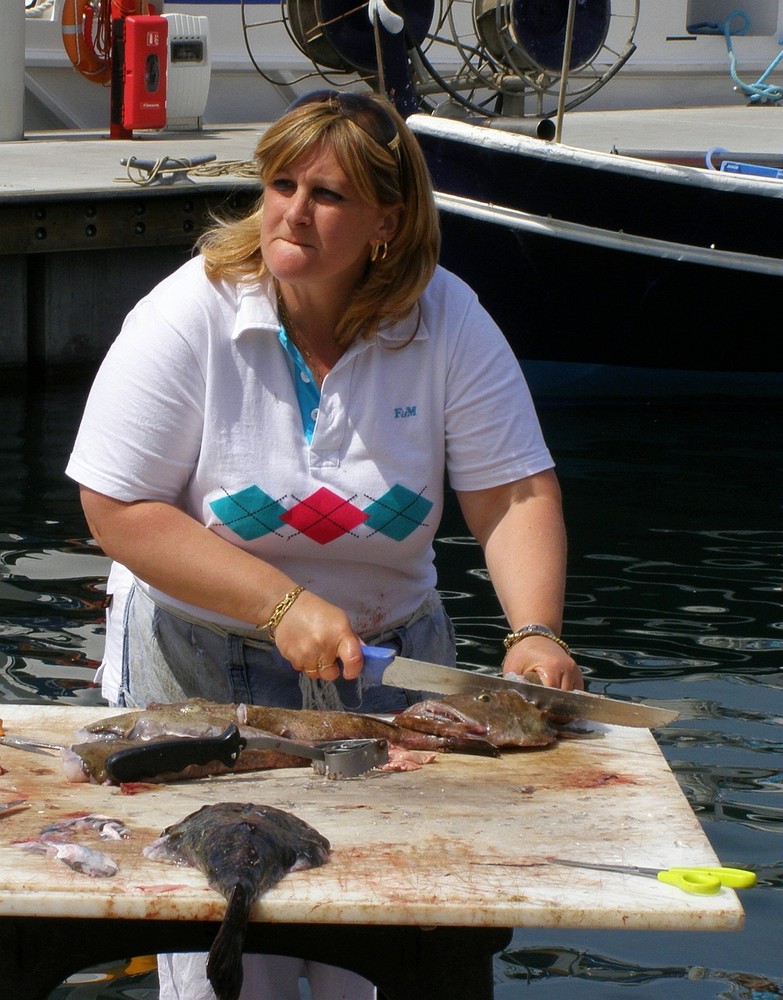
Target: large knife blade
383,666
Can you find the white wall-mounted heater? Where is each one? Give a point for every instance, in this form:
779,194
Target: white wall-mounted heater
189,70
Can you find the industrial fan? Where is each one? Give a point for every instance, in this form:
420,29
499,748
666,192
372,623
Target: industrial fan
339,38
487,57
511,51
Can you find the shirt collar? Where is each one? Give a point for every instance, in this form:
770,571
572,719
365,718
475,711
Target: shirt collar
256,308
411,327
257,311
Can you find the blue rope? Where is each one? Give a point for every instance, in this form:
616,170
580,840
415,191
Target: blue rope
759,92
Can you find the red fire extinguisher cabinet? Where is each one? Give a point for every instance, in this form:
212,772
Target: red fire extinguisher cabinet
140,52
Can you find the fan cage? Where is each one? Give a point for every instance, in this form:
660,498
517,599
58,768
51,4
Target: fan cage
488,57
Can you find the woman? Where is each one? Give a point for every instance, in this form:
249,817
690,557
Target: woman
291,402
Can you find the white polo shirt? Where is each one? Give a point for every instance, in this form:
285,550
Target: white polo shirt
195,405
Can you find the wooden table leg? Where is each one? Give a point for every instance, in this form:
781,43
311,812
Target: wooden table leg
406,963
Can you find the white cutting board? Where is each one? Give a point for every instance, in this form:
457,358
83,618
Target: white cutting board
462,842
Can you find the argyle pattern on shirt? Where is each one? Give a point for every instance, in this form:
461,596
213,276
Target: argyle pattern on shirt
324,515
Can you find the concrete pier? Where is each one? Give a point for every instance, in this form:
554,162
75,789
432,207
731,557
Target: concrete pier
80,242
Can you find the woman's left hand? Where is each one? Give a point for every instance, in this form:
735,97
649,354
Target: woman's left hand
539,659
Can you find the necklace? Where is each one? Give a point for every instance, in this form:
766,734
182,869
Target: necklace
298,341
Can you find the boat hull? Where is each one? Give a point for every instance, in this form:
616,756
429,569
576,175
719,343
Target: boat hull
605,259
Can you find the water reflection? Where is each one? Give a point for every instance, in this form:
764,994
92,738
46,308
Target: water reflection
596,968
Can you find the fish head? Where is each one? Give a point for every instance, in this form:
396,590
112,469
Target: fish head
502,718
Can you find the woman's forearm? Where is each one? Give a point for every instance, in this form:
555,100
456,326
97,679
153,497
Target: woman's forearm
172,552
520,528
526,559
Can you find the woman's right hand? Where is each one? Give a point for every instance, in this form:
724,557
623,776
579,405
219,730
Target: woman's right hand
317,638
172,552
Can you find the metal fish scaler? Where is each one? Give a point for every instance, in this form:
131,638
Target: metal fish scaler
243,849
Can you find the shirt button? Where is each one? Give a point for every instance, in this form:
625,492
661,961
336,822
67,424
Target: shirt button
314,413
304,377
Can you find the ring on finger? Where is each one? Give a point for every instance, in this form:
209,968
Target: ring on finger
312,671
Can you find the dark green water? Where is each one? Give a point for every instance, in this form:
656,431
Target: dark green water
674,595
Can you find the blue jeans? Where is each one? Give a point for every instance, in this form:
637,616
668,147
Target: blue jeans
167,658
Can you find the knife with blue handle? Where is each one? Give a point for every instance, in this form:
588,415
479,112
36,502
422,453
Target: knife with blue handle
384,666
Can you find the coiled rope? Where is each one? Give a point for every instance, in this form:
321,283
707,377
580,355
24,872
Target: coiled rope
759,92
167,169
37,8
240,168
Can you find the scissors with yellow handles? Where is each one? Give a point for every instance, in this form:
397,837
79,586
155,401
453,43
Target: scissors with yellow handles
705,880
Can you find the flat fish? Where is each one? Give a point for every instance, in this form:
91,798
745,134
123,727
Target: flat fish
243,849
502,718
191,718
314,725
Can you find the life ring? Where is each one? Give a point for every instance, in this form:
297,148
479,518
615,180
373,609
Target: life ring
88,44
87,32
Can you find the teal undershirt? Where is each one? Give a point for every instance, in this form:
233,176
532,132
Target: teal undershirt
308,395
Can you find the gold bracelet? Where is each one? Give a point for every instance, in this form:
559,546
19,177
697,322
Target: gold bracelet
279,611
522,633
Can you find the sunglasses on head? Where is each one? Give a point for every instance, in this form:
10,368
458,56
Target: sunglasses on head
370,116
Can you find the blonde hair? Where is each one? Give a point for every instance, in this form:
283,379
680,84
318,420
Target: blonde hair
392,284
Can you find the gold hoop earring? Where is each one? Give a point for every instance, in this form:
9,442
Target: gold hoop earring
377,253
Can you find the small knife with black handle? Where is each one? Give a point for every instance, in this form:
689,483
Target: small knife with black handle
333,758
